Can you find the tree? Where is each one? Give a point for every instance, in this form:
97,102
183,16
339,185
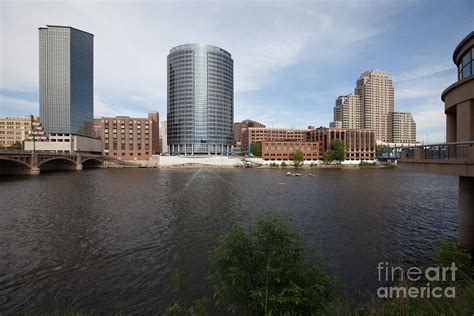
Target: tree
298,157
267,270
339,150
256,150
328,156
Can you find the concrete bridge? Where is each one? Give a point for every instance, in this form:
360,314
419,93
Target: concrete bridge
33,163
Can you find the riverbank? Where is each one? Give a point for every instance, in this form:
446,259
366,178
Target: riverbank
190,162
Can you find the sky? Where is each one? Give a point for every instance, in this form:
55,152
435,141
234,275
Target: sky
292,59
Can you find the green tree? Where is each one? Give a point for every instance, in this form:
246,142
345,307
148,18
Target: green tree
298,157
267,270
328,156
339,149
256,150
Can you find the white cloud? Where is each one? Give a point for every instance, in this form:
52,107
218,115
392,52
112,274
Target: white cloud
424,71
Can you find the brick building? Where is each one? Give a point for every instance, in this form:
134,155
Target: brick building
260,134
241,127
360,143
281,150
127,138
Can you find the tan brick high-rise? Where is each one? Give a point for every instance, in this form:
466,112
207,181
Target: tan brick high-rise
375,89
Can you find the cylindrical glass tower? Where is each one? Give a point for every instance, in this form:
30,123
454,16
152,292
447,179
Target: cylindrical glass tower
200,100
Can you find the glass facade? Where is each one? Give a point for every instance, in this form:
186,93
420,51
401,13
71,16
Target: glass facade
66,80
200,100
466,65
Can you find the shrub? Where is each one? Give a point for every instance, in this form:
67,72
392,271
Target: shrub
267,270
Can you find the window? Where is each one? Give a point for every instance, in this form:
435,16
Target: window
466,65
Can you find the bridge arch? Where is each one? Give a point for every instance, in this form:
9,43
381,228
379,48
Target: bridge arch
91,162
57,163
13,166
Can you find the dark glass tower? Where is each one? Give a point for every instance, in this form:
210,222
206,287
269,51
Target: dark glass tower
200,100
66,80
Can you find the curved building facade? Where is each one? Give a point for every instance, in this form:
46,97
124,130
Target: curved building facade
200,106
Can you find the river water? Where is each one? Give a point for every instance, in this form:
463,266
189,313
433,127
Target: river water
108,240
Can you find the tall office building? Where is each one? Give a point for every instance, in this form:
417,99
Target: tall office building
66,80
66,92
200,107
348,111
376,92
402,128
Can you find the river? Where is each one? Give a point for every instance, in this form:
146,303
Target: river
107,240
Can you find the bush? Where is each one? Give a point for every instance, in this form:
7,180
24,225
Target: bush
328,156
298,157
339,149
266,270
367,164
283,164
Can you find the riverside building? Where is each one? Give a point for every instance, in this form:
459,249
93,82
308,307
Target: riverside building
13,130
282,150
127,138
255,135
360,143
66,80
402,128
241,127
200,104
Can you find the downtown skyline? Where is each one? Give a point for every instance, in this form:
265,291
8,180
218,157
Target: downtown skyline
291,61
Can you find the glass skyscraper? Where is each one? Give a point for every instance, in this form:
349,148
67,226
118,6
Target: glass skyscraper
66,80
200,100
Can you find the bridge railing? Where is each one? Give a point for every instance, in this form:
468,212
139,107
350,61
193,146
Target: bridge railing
448,151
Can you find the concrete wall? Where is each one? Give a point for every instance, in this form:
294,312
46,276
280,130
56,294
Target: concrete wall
87,144
222,161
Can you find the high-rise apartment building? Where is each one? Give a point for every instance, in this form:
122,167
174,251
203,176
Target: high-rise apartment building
371,107
241,127
402,128
127,138
200,105
66,70
13,130
376,92
348,111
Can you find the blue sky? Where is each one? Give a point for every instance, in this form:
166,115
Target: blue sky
292,58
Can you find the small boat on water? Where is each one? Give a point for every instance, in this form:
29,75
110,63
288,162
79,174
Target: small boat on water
311,175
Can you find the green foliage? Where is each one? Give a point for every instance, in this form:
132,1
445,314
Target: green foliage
177,279
256,150
298,157
339,149
283,164
447,251
328,156
367,164
198,307
267,270
380,149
